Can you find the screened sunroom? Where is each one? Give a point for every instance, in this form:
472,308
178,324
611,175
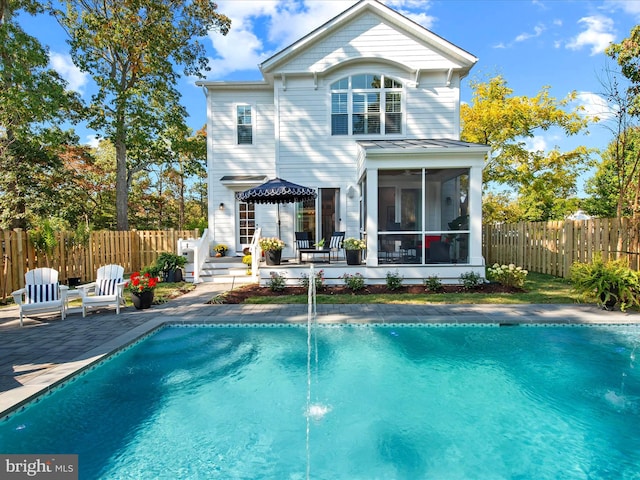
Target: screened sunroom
421,202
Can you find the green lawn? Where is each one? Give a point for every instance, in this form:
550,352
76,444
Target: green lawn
539,288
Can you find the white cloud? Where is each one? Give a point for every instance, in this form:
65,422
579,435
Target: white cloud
595,105
536,144
63,64
415,10
631,7
279,22
598,34
537,31
92,140
261,28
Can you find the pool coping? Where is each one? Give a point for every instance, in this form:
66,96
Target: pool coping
18,399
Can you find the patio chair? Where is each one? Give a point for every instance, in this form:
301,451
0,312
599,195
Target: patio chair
438,252
107,290
303,240
42,293
335,243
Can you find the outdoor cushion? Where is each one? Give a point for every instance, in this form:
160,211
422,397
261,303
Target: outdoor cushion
47,292
107,286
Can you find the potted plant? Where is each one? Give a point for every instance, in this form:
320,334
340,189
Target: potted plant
141,287
610,282
272,248
320,244
220,249
170,266
353,250
247,260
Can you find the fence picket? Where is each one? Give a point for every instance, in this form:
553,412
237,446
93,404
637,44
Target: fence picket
17,254
552,247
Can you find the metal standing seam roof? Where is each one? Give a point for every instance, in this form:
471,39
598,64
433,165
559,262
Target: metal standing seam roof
418,144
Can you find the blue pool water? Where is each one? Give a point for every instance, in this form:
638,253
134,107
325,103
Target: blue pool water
388,402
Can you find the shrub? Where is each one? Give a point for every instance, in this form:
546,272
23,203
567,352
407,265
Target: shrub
507,275
432,284
221,248
319,280
247,259
609,282
354,244
271,244
470,280
354,282
170,261
394,280
276,283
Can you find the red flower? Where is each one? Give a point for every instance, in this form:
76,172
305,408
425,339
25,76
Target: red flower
139,284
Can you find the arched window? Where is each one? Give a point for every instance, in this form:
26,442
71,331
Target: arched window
366,104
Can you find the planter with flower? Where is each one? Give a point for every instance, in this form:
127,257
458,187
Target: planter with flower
353,248
272,248
220,249
141,287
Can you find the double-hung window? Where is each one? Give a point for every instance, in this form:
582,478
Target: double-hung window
366,104
244,125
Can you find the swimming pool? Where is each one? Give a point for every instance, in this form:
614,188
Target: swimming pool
403,402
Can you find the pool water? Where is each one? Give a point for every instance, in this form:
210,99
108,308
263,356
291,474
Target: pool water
388,402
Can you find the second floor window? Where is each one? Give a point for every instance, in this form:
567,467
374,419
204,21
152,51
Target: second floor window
366,104
245,125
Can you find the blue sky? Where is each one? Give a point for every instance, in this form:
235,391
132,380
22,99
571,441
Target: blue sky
532,43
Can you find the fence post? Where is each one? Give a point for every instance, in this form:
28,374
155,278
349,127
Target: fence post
135,251
568,234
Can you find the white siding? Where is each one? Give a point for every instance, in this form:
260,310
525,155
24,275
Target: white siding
226,157
370,37
292,136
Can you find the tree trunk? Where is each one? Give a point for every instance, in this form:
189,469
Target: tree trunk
122,188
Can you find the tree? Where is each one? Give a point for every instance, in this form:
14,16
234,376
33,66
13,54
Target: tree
34,103
621,161
627,54
543,179
500,208
131,51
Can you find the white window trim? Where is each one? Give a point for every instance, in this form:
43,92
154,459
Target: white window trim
253,122
382,91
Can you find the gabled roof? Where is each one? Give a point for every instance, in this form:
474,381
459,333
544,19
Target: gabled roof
438,43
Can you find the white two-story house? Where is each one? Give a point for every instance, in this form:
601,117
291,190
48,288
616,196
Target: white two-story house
366,110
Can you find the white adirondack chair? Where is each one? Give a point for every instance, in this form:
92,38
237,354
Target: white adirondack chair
107,290
42,293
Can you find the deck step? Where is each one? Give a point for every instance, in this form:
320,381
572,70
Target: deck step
229,270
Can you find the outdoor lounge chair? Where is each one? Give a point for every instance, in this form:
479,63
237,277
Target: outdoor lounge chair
439,252
42,293
335,243
107,290
302,240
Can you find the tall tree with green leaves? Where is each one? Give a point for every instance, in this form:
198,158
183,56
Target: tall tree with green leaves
621,160
542,180
34,103
627,54
132,50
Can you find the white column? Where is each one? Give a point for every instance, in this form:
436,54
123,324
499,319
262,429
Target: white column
372,217
475,216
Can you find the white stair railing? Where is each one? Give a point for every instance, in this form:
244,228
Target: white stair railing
254,248
196,251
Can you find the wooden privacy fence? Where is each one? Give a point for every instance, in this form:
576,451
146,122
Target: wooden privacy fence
132,249
552,247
